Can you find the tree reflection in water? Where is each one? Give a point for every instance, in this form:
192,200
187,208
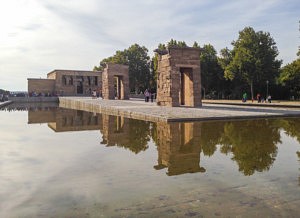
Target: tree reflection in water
127,133
291,126
252,143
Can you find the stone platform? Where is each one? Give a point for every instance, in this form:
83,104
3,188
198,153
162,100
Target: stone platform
2,104
138,109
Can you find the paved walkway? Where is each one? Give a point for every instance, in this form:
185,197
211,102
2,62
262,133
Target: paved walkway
275,103
138,109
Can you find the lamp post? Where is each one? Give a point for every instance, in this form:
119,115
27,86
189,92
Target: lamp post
267,88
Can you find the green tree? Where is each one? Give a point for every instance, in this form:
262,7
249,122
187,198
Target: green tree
136,57
182,44
290,77
211,72
233,85
119,58
153,72
254,59
172,42
139,67
196,45
224,60
175,43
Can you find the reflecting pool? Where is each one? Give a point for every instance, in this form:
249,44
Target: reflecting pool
57,162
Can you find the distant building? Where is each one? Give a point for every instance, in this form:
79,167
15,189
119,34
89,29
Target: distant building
66,83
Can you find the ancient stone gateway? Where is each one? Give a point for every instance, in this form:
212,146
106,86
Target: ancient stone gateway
115,82
179,79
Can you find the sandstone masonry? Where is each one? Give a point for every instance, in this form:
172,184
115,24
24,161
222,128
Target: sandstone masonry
179,79
115,80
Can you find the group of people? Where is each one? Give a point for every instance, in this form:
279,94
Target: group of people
259,98
149,95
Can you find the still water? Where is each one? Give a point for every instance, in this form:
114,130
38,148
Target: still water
58,162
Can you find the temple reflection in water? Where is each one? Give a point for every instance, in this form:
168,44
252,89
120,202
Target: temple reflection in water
179,148
252,144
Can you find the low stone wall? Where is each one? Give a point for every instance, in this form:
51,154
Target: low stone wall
2,104
33,99
73,103
107,107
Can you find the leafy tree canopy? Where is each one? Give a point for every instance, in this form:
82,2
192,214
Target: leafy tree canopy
211,71
290,77
196,45
136,57
254,58
173,42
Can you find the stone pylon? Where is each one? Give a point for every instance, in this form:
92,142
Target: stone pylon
179,77
115,82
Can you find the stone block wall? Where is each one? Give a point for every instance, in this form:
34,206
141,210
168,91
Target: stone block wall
66,81
41,85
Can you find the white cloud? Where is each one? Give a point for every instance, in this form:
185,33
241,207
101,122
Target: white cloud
39,36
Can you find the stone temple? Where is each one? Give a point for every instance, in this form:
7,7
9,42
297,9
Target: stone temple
113,82
178,82
66,83
179,79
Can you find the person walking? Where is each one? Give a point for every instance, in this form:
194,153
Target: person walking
152,96
269,98
258,97
147,95
244,97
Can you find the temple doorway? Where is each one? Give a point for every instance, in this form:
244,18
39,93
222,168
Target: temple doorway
117,87
186,88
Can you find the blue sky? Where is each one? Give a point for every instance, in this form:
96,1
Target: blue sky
38,36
